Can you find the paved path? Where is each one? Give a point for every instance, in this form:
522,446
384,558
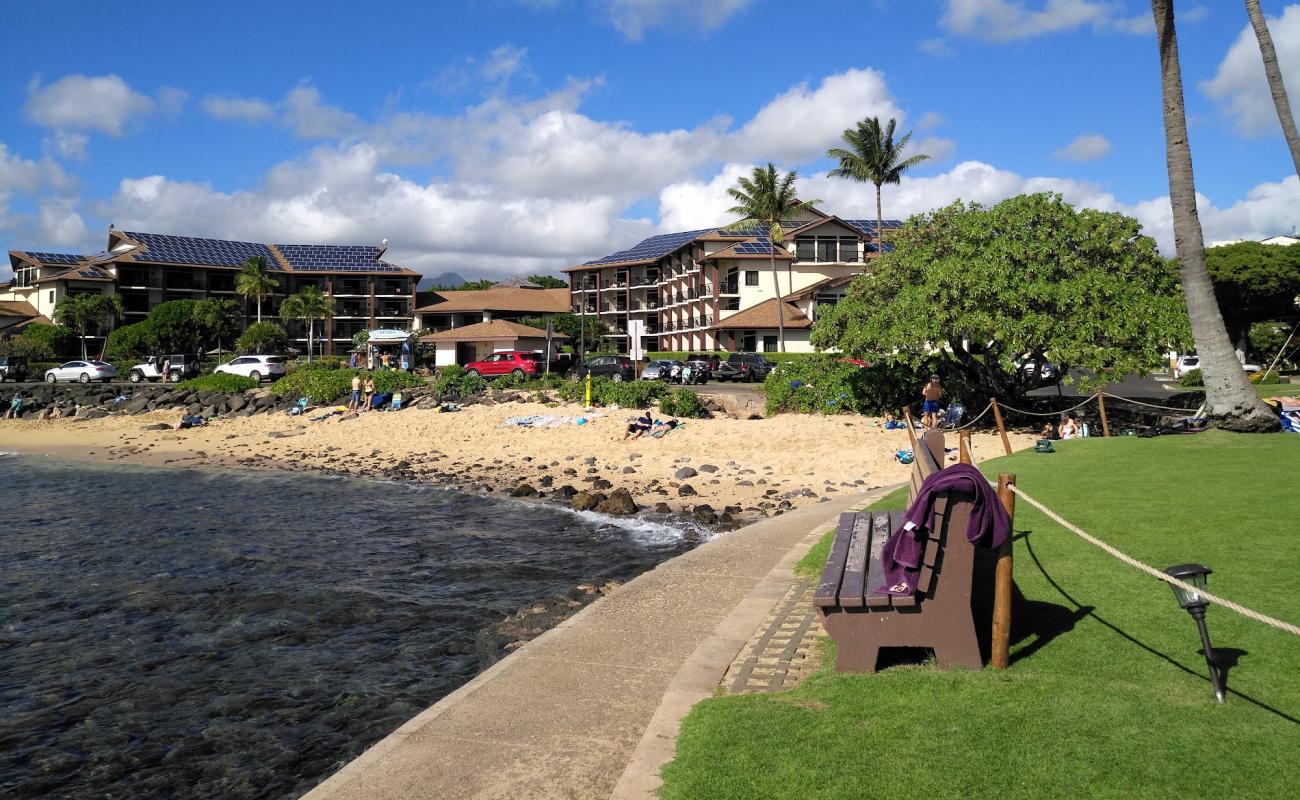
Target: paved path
591,708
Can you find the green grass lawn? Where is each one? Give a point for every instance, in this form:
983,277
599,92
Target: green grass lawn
1107,695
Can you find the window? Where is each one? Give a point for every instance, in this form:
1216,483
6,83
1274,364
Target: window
826,250
805,248
751,277
51,295
848,249
731,304
747,341
769,344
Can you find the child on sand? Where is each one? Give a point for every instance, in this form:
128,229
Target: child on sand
931,395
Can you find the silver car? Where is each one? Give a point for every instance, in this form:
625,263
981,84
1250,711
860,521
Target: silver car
659,370
84,371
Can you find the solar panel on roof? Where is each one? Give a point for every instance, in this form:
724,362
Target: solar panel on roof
58,258
759,247
653,248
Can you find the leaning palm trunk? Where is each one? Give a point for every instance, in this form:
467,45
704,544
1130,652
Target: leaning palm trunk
780,305
1275,84
1232,402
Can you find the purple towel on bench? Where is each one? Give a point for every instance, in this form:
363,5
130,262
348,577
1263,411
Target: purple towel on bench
989,525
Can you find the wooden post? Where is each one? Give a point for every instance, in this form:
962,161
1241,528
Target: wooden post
1001,655
1101,406
1002,429
963,447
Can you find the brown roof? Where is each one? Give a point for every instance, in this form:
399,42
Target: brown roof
825,283
763,315
497,329
25,312
534,301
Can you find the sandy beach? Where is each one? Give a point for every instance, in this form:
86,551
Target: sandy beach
758,467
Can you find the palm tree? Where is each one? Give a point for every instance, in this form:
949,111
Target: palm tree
308,305
1230,399
874,157
255,282
767,197
85,312
1275,84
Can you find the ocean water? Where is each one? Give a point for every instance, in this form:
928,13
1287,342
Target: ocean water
209,634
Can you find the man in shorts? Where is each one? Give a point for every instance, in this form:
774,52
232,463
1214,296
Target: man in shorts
355,403
931,395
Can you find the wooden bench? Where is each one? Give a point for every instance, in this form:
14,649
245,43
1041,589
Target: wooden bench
937,616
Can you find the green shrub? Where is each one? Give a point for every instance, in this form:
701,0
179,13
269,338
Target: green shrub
816,386
681,403
454,381
263,338
570,391
123,366
1192,378
1260,379
394,379
129,343
219,382
317,385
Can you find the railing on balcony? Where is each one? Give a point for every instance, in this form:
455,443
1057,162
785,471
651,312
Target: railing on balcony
731,287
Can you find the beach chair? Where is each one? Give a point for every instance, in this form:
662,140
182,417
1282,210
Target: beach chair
952,417
298,407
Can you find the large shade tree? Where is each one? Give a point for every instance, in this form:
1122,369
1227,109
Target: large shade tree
1275,85
309,305
1254,283
1231,401
764,200
255,282
87,313
989,288
871,155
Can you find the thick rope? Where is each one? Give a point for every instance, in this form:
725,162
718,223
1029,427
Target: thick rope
1150,405
1048,413
1153,572
977,419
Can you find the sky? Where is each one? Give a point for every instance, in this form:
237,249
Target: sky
509,137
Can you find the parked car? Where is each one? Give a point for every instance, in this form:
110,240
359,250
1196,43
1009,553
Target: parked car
617,368
1188,363
510,362
705,362
84,371
1048,372
659,370
13,368
747,367
255,367
179,367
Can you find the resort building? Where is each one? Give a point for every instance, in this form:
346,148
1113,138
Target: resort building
147,269
712,289
512,299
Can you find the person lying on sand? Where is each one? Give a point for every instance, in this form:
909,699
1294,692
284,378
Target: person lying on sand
661,429
188,421
639,426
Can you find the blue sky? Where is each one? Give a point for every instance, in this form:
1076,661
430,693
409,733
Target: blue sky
497,137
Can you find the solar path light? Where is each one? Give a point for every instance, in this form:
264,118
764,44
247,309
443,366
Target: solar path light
1194,603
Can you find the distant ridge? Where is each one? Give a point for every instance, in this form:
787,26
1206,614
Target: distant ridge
446,279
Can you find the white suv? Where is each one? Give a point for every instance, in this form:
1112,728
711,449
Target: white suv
255,367
1185,365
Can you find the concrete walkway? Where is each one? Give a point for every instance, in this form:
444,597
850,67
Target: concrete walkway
590,709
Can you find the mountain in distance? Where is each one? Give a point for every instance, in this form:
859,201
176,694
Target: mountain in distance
446,279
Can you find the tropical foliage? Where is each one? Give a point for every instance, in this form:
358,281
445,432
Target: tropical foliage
764,200
309,305
87,313
682,403
547,282
871,155
263,338
1253,283
38,341
255,282
219,382
1030,278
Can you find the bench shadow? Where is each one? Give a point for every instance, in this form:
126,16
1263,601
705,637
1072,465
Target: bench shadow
1224,657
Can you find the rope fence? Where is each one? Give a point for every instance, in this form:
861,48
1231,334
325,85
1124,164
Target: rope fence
1152,571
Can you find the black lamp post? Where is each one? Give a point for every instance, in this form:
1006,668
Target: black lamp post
1195,604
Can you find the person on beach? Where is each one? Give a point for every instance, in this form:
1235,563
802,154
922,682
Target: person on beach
56,412
639,426
166,368
385,361
15,406
369,391
1069,428
354,404
931,395
1048,431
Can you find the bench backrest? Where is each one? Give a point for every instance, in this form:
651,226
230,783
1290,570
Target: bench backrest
927,459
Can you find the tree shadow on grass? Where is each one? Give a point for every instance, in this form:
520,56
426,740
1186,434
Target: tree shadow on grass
1224,657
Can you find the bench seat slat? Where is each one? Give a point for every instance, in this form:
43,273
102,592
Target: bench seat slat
880,530
852,591
828,588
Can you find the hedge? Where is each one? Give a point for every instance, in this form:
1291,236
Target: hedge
219,382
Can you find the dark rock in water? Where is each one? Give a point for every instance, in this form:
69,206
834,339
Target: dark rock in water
685,490
565,492
461,648
705,515
619,503
585,501
546,481
498,641
663,508
684,473
523,490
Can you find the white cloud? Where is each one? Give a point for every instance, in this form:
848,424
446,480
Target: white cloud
1086,147
935,46
801,123
693,204
59,223
930,120
171,100
69,146
238,108
1239,84
1004,20
504,62
633,17
79,102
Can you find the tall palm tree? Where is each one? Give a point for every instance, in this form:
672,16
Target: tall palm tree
86,312
872,156
1275,84
255,282
767,197
1230,399
308,305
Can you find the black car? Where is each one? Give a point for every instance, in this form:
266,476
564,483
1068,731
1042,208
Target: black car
747,367
617,368
13,368
706,363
